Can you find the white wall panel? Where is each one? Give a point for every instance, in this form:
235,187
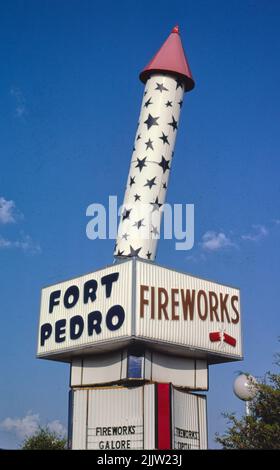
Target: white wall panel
102,369
215,312
79,434
57,322
115,418
189,421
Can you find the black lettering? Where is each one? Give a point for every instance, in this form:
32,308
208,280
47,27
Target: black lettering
107,281
54,300
131,429
76,321
60,331
46,331
94,322
90,289
71,296
115,311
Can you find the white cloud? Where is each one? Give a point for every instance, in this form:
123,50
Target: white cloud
259,232
276,221
26,244
20,109
28,425
57,427
22,427
214,241
7,211
4,243
10,215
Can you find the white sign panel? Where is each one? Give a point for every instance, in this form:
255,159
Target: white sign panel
189,421
140,300
86,311
187,311
108,419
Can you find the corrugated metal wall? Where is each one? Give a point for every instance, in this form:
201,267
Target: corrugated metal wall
80,412
121,294
119,411
158,367
126,418
192,333
189,421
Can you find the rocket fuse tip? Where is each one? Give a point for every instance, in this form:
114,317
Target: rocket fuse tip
175,29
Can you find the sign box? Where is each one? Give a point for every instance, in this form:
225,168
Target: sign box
140,301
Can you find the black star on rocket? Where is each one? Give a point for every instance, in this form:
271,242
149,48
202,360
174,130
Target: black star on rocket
138,137
180,103
164,164
148,103
133,149
119,253
145,92
168,104
180,84
149,255
164,138
126,214
139,224
124,236
141,163
137,197
156,205
164,186
151,121
132,180
134,252
149,144
154,230
161,87
174,123
151,183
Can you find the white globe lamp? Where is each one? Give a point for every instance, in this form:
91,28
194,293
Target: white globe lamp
245,389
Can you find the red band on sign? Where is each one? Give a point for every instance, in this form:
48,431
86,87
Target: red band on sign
229,340
163,416
215,336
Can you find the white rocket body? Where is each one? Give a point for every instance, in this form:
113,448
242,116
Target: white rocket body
150,166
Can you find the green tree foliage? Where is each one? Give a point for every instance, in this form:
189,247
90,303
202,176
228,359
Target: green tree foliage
44,439
260,430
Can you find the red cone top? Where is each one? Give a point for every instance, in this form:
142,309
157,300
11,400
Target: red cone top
171,59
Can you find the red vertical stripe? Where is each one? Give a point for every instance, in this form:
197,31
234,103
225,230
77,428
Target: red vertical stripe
163,416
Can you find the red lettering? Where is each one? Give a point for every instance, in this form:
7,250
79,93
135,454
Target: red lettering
188,299
162,303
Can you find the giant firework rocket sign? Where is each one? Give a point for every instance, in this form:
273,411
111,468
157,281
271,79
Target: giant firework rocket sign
134,299
140,301
167,77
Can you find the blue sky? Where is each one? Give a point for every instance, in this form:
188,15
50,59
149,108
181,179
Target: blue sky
70,98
